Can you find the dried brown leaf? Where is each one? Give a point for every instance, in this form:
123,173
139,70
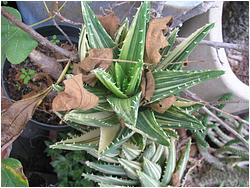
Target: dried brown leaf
143,84
14,119
110,22
47,64
176,182
164,104
150,85
75,96
155,39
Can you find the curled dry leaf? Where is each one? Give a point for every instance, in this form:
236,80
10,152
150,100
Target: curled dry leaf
110,22
143,84
164,104
14,119
75,96
47,64
155,39
97,58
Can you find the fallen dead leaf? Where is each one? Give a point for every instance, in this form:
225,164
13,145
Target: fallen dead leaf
14,119
175,181
155,39
163,105
150,85
143,84
110,22
75,96
97,58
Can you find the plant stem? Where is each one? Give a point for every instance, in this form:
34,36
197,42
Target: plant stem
63,72
43,41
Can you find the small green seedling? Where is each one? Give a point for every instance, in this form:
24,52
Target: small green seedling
55,40
27,75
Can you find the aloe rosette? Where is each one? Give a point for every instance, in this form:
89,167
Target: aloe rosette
134,144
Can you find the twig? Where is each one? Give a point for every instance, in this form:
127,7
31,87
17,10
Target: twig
54,21
200,9
63,72
63,19
238,47
42,40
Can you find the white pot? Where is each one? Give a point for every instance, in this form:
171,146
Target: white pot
228,83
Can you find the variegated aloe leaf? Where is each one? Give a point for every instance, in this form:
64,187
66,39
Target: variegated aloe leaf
149,151
131,151
97,35
111,169
188,105
122,32
107,135
133,50
126,109
171,82
182,51
158,153
83,43
183,160
82,142
170,164
123,135
139,140
174,118
110,180
152,169
92,118
130,167
147,181
108,81
147,123
171,40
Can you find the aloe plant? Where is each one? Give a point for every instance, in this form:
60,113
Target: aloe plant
135,144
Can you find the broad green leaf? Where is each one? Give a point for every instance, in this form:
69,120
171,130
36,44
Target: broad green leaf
130,167
16,45
126,109
133,49
94,119
170,164
97,35
107,80
152,169
107,168
175,118
147,123
147,181
12,174
182,51
107,135
183,160
171,82
110,180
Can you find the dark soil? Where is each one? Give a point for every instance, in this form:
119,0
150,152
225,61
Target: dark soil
236,30
17,90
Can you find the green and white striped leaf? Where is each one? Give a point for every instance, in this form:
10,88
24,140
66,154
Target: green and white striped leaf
147,181
131,151
107,135
110,180
111,169
158,153
176,118
91,118
107,80
133,49
183,160
149,151
171,82
122,33
139,140
97,35
171,40
93,151
147,123
152,169
83,43
126,109
188,105
170,164
182,51
130,167
123,135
